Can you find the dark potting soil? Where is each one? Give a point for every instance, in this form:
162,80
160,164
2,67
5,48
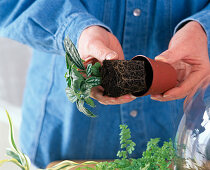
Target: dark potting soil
120,77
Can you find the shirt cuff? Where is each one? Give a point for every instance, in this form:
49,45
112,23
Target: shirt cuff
74,26
203,18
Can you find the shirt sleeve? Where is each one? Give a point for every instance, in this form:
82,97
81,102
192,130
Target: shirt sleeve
202,17
43,24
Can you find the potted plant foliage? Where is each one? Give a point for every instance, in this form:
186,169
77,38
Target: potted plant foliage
139,76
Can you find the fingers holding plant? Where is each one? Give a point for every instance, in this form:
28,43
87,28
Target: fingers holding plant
82,79
98,94
188,54
96,44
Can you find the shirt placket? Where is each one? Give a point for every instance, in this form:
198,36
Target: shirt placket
135,28
135,42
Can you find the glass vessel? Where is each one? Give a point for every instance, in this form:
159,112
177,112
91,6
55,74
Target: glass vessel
193,135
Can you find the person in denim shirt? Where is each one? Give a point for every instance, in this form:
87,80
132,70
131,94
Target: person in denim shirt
52,127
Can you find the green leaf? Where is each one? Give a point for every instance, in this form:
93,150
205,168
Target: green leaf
17,156
13,154
75,75
96,69
63,165
13,161
79,80
66,165
119,154
81,108
72,54
85,90
84,87
23,159
71,95
93,81
76,81
89,70
146,167
68,61
68,80
27,162
127,145
11,132
76,85
90,102
66,75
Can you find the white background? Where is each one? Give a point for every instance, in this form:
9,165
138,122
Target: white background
14,63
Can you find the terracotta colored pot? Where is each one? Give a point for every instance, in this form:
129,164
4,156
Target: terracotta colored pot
160,76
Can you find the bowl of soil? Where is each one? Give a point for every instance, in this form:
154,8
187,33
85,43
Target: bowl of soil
140,76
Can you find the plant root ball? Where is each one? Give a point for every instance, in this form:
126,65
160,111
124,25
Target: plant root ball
120,77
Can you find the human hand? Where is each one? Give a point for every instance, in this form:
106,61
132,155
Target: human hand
95,45
188,54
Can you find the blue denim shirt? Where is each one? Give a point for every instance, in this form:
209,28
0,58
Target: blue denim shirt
52,127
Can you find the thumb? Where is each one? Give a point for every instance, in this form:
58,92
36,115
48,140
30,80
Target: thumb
101,52
168,56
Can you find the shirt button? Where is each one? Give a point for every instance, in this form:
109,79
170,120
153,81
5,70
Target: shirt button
136,12
133,113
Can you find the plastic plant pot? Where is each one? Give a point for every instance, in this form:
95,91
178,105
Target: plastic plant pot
160,76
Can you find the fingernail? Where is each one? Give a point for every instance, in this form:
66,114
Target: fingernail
111,56
128,97
133,97
154,98
160,58
125,97
167,96
102,102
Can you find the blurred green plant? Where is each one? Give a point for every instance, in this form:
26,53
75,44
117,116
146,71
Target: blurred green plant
16,156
